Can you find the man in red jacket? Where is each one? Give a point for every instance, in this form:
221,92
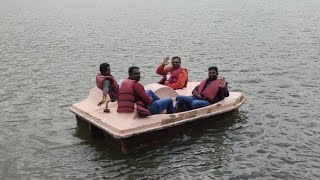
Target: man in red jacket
131,92
173,76
209,91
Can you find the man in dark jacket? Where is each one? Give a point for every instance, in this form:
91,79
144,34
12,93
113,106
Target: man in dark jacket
209,91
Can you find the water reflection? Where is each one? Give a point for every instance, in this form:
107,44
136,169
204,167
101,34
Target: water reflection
193,146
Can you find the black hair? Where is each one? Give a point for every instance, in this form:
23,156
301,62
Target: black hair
130,71
103,68
176,57
213,68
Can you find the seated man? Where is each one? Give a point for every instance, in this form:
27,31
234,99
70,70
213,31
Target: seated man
131,92
175,76
209,91
107,83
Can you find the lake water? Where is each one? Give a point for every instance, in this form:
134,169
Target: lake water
50,51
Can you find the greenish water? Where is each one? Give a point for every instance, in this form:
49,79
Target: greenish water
50,51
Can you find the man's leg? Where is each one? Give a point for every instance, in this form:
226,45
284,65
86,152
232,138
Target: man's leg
162,104
155,108
199,104
184,102
113,96
152,95
168,104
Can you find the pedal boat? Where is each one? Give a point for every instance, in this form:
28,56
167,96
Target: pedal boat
121,126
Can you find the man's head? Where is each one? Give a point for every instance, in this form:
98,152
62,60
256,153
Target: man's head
105,69
213,73
175,62
134,73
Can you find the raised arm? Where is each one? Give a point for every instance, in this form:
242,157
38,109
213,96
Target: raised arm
161,70
224,88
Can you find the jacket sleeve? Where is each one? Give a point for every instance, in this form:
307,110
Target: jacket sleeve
141,94
226,91
195,90
221,94
161,70
183,76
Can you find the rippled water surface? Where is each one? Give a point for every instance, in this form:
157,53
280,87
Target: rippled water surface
269,49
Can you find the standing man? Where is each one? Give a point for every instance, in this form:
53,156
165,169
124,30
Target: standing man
131,92
209,91
107,83
174,76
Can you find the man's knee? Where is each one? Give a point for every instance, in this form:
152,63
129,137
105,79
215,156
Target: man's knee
181,98
196,104
199,104
178,98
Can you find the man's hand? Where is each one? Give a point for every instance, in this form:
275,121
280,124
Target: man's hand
223,82
165,61
198,96
101,102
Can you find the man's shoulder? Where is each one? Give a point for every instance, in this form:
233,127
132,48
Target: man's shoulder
136,84
138,88
184,70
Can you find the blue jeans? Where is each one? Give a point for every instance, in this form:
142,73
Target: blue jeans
159,105
186,103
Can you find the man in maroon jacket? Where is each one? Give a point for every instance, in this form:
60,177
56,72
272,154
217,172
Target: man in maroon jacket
107,83
131,92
